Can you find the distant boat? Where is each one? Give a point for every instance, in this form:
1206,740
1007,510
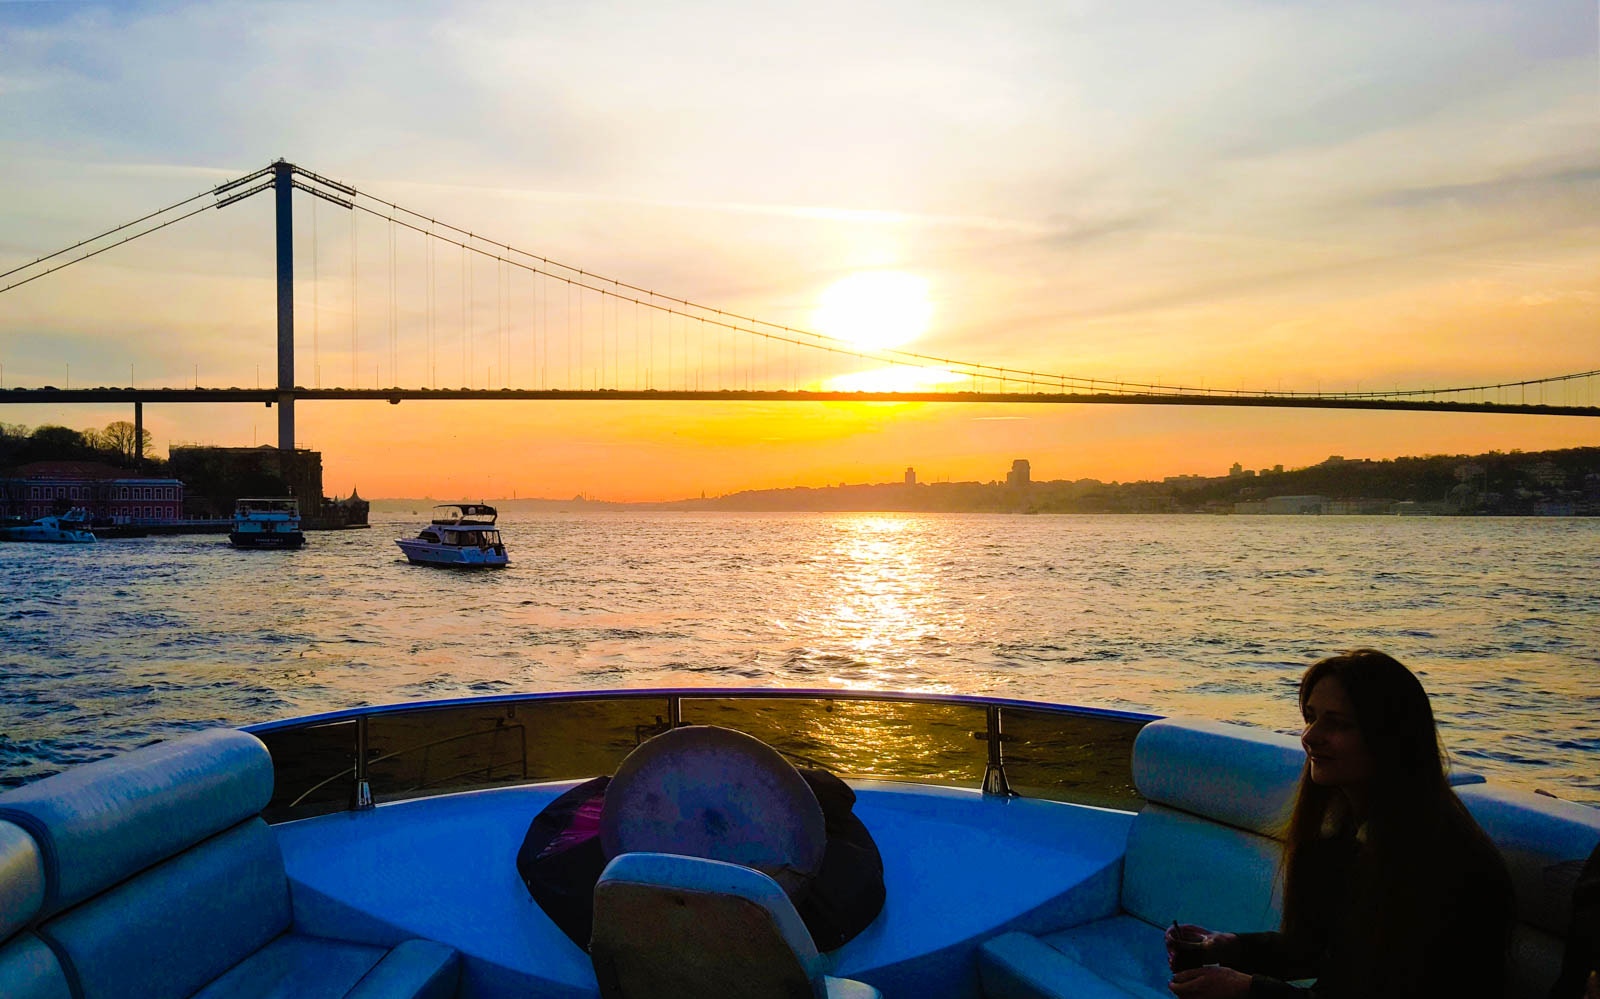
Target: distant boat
70,528
267,522
462,535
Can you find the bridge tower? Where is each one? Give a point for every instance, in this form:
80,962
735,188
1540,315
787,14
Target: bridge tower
283,187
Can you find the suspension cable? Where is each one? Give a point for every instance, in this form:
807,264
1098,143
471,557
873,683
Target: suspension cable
95,253
108,232
726,320
730,321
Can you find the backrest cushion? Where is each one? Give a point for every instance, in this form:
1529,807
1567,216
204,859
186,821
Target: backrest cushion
173,928
1237,774
685,928
1244,777
1544,842
28,970
102,822
1191,869
21,879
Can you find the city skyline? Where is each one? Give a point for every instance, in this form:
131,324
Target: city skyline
1235,197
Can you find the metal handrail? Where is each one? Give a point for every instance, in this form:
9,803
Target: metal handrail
994,782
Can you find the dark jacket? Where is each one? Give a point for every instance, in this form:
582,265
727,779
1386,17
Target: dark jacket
1445,939
1583,935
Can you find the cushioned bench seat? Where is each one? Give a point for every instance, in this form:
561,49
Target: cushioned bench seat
1205,850
155,878
28,968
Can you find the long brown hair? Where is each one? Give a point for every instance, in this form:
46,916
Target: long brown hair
1416,833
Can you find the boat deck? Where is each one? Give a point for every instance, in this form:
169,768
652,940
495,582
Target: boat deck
958,868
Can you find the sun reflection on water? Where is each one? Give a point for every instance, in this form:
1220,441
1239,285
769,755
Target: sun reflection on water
872,601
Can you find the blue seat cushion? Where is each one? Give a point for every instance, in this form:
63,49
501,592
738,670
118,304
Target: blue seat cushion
1020,966
296,967
21,879
1127,952
177,926
28,970
105,821
1182,867
416,969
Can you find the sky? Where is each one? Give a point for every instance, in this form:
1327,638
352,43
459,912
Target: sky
1283,196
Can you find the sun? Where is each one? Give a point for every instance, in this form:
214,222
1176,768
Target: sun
875,310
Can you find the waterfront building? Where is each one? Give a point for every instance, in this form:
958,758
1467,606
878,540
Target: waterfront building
1020,474
911,476
218,476
1285,505
337,514
110,494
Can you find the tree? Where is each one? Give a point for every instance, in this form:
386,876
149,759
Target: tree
57,439
122,440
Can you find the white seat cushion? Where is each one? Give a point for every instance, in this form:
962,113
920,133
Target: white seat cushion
1127,952
1197,871
1021,966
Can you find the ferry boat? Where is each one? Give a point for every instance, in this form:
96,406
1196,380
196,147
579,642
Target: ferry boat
70,528
1029,851
267,522
462,535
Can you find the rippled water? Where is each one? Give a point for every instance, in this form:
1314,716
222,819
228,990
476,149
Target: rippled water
105,647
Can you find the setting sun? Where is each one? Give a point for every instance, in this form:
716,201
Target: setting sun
875,310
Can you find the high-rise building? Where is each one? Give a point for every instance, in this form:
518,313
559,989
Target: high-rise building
911,476
1020,474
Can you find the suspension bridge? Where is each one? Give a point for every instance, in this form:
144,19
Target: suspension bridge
578,335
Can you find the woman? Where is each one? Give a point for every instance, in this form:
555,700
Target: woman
1391,889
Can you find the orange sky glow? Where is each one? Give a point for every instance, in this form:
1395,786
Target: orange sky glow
1244,198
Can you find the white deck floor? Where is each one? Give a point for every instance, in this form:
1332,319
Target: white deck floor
958,869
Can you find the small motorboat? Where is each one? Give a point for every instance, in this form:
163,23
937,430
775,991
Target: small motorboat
462,535
71,528
267,522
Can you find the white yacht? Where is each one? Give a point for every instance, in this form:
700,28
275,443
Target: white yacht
70,528
461,534
267,522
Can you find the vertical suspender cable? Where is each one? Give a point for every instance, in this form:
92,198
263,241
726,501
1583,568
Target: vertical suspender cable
353,244
472,310
463,316
433,372
316,281
394,312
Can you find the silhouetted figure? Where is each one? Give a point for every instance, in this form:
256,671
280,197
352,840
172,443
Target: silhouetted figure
1580,968
1391,889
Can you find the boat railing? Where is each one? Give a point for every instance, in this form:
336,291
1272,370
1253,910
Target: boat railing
483,771
352,759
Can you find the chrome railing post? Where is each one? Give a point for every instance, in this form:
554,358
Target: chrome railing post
362,797
994,772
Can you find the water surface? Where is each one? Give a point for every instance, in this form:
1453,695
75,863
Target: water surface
107,647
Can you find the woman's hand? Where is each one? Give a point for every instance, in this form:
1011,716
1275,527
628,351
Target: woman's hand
1189,946
1211,983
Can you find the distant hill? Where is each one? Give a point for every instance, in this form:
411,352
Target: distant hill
1565,482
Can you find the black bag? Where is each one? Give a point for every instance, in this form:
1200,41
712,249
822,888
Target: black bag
561,861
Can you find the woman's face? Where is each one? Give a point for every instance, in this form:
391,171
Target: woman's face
1332,738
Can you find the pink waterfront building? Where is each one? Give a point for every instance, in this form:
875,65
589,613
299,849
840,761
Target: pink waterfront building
110,494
